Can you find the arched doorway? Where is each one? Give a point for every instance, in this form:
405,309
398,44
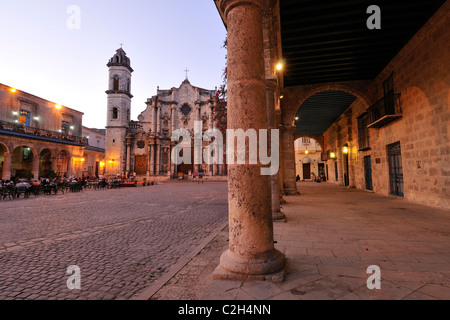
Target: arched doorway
62,164
306,164
22,163
45,164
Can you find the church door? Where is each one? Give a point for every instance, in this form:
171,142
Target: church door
140,165
186,168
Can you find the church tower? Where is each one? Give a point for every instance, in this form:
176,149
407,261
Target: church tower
118,112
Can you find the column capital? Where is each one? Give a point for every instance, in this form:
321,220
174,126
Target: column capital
287,127
271,83
226,5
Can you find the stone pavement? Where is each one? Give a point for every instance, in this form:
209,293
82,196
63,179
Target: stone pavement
122,240
331,236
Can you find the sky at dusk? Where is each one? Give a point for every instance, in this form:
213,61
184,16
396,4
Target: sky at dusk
58,49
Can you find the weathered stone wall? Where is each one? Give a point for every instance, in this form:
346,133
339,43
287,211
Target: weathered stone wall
421,76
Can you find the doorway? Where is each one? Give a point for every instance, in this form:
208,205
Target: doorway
395,169
140,165
368,172
306,171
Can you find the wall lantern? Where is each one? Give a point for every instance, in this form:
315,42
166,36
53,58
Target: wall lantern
345,149
332,155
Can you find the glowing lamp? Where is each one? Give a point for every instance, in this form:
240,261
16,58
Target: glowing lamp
13,90
332,155
306,152
58,106
279,66
345,150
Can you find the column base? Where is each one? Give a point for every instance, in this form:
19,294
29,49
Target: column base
232,267
291,192
221,273
278,217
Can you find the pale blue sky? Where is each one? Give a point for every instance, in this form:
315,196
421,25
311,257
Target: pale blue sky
39,54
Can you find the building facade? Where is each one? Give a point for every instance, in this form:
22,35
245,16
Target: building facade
38,137
94,154
308,159
145,146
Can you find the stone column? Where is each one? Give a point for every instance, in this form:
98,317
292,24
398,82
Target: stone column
69,166
6,174
35,167
158,158
127,169
251,253
288,155
158,120
152,159
54,163
271,96
149,165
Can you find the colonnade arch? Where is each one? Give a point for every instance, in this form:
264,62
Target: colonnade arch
293,99
28,160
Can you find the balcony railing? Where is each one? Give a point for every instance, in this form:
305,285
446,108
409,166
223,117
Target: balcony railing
40,134
384,111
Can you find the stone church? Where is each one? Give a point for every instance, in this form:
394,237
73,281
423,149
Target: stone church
144,146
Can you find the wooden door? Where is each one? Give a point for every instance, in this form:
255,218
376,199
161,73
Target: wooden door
140,165
306,171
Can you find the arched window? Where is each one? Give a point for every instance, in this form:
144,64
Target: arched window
115,113
116,83
128,85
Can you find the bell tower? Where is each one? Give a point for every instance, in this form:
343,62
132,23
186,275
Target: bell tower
118,112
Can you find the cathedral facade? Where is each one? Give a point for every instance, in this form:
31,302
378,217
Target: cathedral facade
145,146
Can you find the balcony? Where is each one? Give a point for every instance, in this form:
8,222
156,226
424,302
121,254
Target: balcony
384,111
22,131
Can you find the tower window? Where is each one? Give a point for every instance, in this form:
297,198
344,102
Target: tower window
128,85
115,113
116,83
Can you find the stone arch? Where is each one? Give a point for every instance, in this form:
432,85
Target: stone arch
47,160
62,162
5,147
294,97
23,159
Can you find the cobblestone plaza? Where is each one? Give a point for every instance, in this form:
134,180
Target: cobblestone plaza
121,239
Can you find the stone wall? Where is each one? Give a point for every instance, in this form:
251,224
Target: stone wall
421,76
